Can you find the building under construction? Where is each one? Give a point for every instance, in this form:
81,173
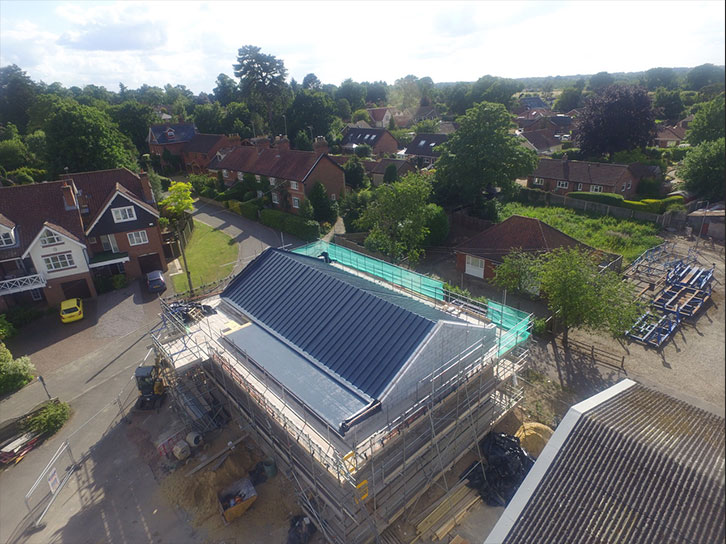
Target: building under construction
365,381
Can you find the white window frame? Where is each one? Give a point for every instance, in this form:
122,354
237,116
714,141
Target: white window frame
293,185
118,214
561,184
579,186
53,262
475,262
240,175
538,181
630,184
295,202
623,189
225,173
36,294
272,182
275,198
137,238
7,239
49,238
596,188
333,197
260,194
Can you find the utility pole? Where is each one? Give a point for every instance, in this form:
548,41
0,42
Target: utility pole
184,257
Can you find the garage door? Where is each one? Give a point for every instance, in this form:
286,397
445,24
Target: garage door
150,262
76,289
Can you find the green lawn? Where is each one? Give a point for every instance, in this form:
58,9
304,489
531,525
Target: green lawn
210,254
622,236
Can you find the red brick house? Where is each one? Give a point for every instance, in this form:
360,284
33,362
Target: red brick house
201,150
542,141
380,117
669,136
562,176
380,140
424,148
479,256
377,170
171,137
291,173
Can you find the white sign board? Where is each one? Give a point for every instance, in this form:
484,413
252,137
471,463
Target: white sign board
53,480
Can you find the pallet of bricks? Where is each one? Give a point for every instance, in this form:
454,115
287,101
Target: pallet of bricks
686,292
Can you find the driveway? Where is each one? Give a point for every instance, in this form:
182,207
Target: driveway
52,344
253,237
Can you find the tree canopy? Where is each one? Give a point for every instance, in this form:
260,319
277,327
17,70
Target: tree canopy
262,78
311,109
179,200
17,95
704,169
600,81
354,173
704,75
569,99
618,118
481,154
709,123
660,77
668,104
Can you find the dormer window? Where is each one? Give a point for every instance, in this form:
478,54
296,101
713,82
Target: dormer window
170,134
49,238
7,239
120,215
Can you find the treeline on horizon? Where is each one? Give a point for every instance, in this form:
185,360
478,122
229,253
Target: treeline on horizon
46,128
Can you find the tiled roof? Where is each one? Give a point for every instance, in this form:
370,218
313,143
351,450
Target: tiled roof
30,207
517,231
676,133
562,121
271,162
202,143
581,171
4,221
381,166
425,112
377,114
95,187
358,330
531,102
183,132
448,127
360,136
424,145
628,466
542,139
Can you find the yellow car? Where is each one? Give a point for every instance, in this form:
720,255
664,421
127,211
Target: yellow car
71,310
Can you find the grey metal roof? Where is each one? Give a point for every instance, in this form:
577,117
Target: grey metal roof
639,467
357,330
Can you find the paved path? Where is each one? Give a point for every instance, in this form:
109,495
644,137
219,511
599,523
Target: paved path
253,237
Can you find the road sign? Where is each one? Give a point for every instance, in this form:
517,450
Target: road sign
53,480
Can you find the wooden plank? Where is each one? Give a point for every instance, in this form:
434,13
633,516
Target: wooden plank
215,456
446,528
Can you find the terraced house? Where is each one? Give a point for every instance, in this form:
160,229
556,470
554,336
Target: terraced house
56,237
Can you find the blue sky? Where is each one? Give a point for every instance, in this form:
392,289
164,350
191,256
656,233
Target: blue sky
190,43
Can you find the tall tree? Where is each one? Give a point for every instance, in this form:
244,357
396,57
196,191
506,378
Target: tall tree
600,81
518,272
83,138
353,92
660,77
703,75
208,118
704,169
581,297
397,218
354,173
311,82
377,93
480,155
668,104
17,95
618,118
262,77
709,122
406,93
134,120
324,209
311,109
569,99
227,90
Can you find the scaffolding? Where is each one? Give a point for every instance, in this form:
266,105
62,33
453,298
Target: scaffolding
356,485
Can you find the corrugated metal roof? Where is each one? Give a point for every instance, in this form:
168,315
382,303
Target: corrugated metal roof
361,331
640,467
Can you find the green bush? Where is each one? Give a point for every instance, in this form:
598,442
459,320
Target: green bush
209,192
609,199
7,329
304,229
438,224
119,281
50,419
676,154
14,373
250,210
22,315
637,206
539,326
103,284
648,187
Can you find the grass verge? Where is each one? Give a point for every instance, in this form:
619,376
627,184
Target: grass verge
211,255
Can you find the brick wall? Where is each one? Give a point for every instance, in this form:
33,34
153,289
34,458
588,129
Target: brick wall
133,268
54,292
387,144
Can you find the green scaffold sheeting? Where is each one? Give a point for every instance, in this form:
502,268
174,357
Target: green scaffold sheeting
391,273
514,322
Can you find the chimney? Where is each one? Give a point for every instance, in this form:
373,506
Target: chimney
69,198
146,187
263,143
283,144
320,145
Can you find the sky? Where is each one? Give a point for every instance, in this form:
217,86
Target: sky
191,43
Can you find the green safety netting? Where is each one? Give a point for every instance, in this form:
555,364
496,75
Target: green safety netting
514,322
396,275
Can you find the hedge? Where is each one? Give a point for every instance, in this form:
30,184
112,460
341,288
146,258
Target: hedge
305,229
609,199
249,210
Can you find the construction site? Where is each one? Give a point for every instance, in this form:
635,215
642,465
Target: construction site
364,381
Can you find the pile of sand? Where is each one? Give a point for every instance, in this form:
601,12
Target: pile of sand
533,437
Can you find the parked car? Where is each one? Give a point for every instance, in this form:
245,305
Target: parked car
71,310
155,282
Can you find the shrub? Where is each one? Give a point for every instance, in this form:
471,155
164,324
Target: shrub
103,284
7,329
635,205
273,218
250,210
22,315
304,229
438,224
648,187
50,419
609,199
209,192
119,281
14,373
675,154
539,326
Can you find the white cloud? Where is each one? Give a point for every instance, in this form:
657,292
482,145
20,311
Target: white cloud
190,43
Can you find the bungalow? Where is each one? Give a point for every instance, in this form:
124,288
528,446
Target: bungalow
542,141
479,256
55,237
423,148
379,139
564,176
526,103
291,173
669,136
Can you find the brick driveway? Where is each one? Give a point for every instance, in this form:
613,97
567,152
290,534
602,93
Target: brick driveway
52,344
